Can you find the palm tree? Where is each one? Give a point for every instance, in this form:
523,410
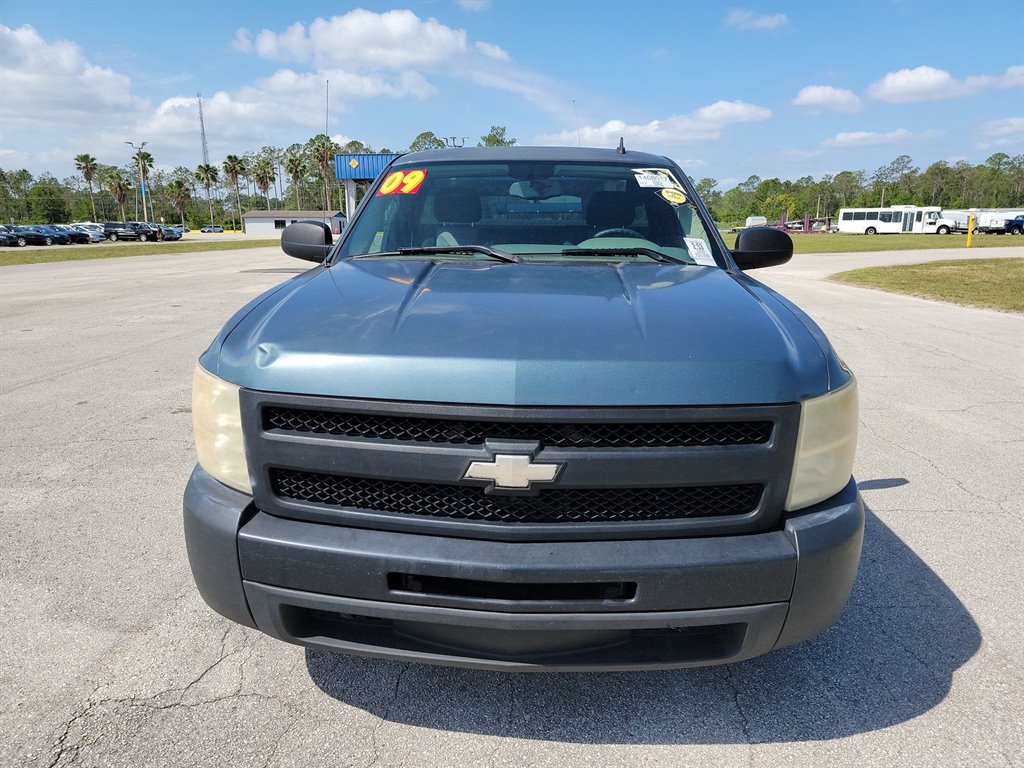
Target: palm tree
144,160
295,167
180,195
263,174
234,166
87,165
118,187
207,175
322,149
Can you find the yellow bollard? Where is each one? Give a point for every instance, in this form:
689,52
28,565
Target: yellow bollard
970,229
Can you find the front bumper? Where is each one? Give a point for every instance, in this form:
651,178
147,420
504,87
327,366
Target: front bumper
567,605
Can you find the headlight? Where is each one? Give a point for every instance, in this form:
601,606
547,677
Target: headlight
217,425
825,447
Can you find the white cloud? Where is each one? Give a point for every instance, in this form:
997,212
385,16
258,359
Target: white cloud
473,5
704,124
370,42
741,18
926,83
390,40
691,164
1010,126
874,139
492,51
66,89
41,80
243,40
828,97
1006,134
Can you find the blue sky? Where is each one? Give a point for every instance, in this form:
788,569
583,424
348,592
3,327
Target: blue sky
727,90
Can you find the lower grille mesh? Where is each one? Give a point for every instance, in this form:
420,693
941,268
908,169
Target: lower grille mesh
557,505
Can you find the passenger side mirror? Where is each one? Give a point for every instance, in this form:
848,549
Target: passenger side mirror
762,247
307,240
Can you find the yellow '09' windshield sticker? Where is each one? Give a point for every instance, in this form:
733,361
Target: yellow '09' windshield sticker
402,183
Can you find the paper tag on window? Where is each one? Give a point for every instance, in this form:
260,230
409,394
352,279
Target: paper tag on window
653,180
699,251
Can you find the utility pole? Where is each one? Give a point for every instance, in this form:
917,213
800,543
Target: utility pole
202,130
579,137
142,174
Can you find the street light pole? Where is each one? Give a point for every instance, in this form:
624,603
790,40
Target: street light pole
142,174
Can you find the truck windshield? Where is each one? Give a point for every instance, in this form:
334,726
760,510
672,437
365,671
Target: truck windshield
536,211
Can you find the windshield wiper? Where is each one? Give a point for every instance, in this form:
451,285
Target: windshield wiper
435,250
664,258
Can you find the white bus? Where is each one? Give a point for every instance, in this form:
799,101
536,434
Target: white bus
894,219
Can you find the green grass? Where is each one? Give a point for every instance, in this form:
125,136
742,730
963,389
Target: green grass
10,256
834,243
845,243
990,283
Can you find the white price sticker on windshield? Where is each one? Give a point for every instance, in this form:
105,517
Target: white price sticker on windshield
699,251
657,180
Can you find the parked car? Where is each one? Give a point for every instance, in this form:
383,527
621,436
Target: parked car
42,234
9,229
180,229
212,228
530,413
144,230
29,235
74,235
1014,226
95,234
8,238
119,230
170,233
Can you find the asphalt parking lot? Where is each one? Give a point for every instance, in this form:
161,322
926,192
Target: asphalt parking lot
112,659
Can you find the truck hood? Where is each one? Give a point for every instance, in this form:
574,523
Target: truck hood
525,334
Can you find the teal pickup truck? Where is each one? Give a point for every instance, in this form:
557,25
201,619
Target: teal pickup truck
528,413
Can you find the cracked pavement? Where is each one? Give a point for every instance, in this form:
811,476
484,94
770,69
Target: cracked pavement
112,659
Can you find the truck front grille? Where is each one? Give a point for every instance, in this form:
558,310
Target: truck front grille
555,505
635,472
555,435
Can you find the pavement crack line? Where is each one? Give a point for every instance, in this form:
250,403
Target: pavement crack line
385,715
727,676
938,469
61,746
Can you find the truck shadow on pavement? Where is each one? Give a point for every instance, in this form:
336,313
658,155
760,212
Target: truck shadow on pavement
890,658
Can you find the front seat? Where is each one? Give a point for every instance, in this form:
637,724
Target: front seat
457,211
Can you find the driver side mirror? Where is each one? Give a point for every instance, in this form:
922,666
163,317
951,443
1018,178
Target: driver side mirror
307,240
762,247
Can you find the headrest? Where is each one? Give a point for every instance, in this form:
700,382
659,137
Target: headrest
457,206
611,209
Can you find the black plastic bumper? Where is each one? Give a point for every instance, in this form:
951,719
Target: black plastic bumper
599,605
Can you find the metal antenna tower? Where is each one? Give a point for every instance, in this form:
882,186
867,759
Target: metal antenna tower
202,130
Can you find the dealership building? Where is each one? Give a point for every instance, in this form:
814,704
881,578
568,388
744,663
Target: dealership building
270,223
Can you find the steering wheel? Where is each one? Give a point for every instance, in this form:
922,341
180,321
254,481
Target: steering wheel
619,232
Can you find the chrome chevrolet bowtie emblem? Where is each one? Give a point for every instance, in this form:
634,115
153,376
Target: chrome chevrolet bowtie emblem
511,471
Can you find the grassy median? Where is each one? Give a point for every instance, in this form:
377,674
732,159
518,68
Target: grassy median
10,256
845,243
990,283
